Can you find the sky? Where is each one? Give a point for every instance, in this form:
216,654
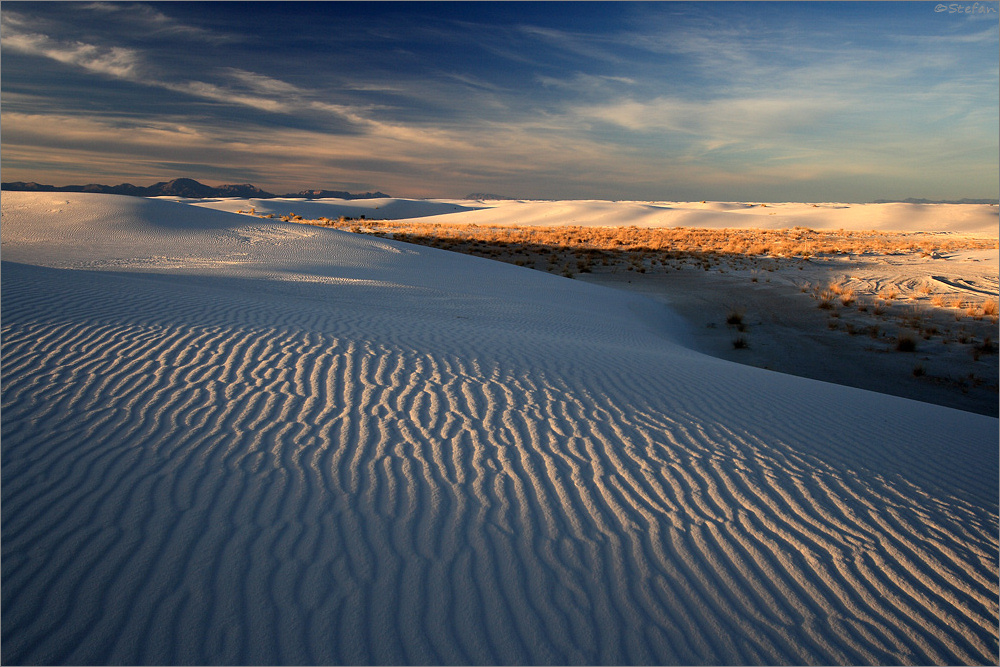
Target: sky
767,101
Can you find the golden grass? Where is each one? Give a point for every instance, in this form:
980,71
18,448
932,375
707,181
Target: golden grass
990,308
939,301
656,243
826,300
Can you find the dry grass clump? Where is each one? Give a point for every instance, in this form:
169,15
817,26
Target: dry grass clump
835,287
906,343
987,309
987,346
954,303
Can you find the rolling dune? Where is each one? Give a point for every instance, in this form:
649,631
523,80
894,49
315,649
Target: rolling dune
979,219
234,441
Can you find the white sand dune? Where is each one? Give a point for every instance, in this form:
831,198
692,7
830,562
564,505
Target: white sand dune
963,218
955,218
228,440
373,209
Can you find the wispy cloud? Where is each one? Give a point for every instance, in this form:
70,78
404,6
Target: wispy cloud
152,22
752,122
111,61
236,87
649,97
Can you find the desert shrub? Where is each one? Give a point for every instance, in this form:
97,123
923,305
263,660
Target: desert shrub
975,312
987,346
906,343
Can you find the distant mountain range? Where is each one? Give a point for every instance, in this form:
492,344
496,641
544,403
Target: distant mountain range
487,196
186,187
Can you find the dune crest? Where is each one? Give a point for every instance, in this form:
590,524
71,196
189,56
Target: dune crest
983,219
230,441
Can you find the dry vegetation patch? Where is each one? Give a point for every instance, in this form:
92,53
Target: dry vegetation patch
645,248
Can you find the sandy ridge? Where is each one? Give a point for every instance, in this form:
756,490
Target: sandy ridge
902,217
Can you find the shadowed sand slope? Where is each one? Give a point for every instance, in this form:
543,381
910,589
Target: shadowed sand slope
227,441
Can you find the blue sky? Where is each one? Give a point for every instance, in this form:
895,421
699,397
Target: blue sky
784,101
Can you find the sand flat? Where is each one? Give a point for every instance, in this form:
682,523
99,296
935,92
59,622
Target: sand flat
231,441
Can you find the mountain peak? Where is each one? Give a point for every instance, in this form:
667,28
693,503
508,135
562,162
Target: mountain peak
185,187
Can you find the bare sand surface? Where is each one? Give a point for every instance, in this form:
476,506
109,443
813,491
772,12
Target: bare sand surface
229,440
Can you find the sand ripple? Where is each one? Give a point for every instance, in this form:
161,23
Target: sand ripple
215,489
437,459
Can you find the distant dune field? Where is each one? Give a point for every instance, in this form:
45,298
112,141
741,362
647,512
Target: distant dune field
229,440
898,217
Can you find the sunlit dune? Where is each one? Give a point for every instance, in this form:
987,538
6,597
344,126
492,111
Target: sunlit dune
898,217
